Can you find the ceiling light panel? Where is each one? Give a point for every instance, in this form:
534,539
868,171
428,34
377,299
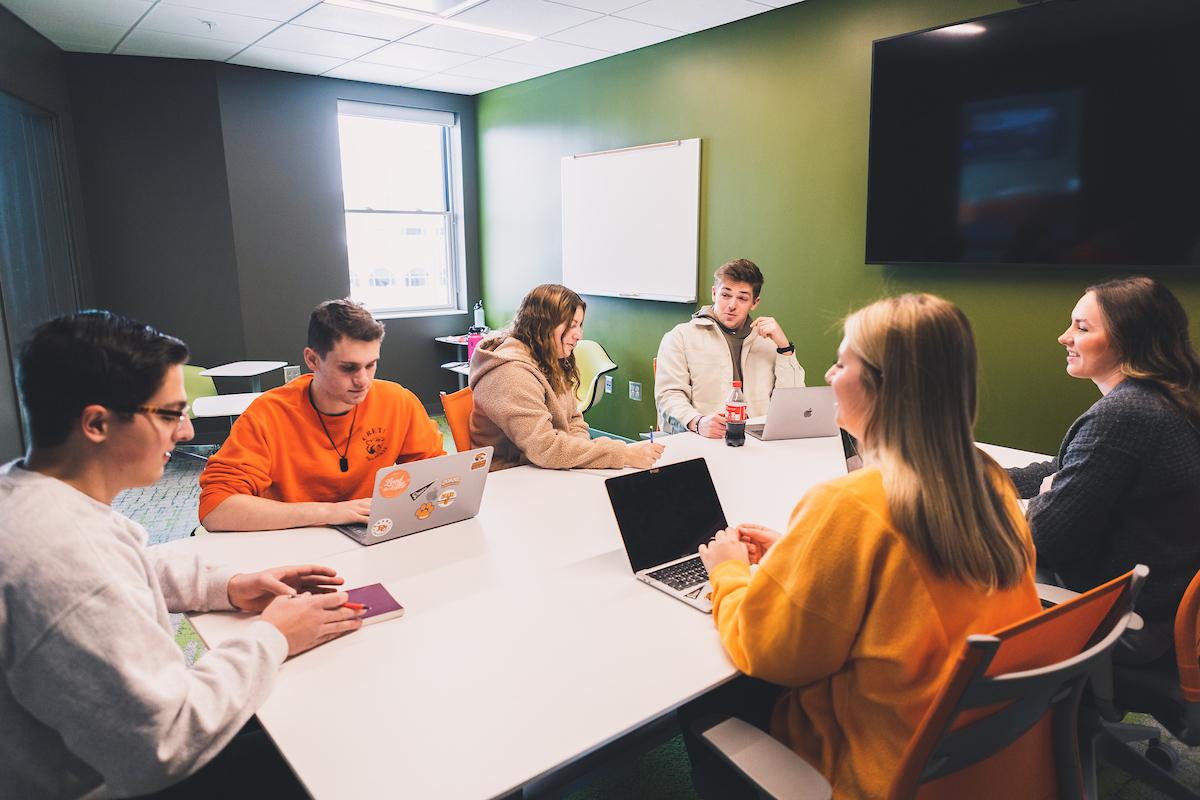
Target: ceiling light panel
362,23
691,15
410,56
278,10
205,24
534,17
169,45
64,12
460,41
318,42
615,35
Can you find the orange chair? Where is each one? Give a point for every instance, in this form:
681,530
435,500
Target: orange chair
1004,724
457,406
1168,690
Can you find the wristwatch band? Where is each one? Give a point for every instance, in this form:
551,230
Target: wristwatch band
783,351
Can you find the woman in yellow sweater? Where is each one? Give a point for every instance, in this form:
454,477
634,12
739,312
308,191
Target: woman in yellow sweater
862,607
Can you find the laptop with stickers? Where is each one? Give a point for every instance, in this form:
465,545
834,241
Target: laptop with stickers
664,514
803,412
414,497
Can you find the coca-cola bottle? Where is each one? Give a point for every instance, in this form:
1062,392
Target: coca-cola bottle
735,417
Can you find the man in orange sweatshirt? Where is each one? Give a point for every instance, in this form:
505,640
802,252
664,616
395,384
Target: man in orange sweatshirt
307,452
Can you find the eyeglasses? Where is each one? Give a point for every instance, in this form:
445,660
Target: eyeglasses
176,415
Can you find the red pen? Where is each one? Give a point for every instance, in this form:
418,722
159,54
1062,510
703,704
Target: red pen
356,606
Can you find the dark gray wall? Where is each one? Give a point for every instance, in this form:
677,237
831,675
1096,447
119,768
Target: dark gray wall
285,190
215,191
153,170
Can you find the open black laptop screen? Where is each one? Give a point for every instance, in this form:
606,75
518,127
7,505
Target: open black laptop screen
665,512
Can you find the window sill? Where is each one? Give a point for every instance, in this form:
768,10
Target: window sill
434,312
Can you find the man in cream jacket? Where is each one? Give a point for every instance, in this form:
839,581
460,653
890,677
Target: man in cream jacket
698,360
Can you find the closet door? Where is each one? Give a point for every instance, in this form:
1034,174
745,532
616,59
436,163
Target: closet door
37,263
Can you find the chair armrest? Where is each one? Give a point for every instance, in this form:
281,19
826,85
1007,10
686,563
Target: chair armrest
766,762
1051,595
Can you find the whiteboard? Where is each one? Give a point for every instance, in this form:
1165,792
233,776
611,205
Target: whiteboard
631,221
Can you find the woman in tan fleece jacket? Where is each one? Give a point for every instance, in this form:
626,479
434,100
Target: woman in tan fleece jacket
524,382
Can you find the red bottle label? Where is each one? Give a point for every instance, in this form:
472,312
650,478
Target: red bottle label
735,412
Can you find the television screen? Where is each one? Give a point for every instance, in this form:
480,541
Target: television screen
1062,133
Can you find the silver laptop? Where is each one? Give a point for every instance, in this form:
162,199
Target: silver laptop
419,495
798,413
664,514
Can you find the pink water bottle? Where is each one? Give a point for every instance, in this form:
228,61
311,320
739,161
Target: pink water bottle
473,339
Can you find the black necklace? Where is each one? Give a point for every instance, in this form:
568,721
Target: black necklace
343,462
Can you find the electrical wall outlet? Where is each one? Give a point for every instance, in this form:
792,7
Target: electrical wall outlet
635,390
290,373
608,384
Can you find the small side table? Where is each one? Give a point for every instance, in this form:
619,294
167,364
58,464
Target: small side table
254,370
462,367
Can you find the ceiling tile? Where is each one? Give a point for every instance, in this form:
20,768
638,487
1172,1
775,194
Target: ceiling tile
444,37
603,6
185,21
507,71
691,15
170,45
534,17
410,56
60,12
455,84
285,60
363,23
375,73
615,35
556,55
317,42
278,10
82,35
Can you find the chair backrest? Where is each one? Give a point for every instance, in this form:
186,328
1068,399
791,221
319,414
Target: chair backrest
1015,695
1187,642
197,385
457,406
592,361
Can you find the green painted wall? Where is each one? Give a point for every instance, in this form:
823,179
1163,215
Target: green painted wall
781,101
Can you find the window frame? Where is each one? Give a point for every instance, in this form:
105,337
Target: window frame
455,239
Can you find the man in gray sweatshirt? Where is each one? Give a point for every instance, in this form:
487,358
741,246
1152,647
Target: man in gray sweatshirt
95,697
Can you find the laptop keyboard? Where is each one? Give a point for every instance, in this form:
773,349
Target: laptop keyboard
682,575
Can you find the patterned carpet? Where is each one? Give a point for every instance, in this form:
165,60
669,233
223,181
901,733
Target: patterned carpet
168,511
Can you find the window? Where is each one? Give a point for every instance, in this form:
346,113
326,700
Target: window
403,201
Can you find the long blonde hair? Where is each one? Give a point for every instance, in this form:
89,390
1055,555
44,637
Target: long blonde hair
944,494
544,309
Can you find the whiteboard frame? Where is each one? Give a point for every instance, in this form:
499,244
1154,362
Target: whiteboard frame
689,251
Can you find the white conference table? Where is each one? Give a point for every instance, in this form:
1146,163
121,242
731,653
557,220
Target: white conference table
254,370
526,642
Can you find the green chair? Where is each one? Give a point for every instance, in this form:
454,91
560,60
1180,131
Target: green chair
593,363
197,385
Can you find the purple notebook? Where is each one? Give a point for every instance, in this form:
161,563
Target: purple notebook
379,602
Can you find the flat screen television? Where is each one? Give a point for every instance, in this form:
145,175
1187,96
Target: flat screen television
1061,133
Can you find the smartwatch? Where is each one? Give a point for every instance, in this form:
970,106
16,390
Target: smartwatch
783,351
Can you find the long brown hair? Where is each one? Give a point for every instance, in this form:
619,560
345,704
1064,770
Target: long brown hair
544,309
1149,327
944,494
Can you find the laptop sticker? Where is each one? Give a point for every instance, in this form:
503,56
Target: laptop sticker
446,497
394,484
453,480
381,527
419,492
424,510
480,461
